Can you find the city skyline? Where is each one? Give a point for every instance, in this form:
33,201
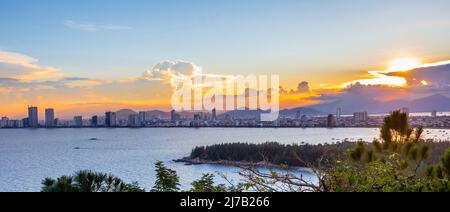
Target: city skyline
84,59
300,117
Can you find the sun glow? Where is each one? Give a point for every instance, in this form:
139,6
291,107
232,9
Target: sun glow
403,64
383,78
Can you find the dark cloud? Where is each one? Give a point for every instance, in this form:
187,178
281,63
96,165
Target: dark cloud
437,76
302,88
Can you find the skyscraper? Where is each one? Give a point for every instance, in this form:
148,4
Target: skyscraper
173,116
434,114
110,119
133,120
214,114
33,118
359,117
49,117
78,121
94,121
330,121
4,122
25,123
298,115
142,118
338,113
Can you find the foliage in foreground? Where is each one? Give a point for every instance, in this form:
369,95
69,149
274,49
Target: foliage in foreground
167,180
398,162
88,181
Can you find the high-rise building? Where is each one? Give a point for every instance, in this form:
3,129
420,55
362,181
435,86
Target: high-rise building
78,121
173,115
338,113
214,114
142,118
359,117
197,117
434,114
25,123
330,121
298,115
133,120
33,118
94,121
110,119
49,117
14,123
4,122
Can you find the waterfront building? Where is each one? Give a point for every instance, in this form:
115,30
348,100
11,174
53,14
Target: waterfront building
133,120
33,117
78,121
4,122
434,114
49,117
338,113
94,121
330,120
142,118
25,123
298,115
110,119
14,124
173,115
214,114
359,117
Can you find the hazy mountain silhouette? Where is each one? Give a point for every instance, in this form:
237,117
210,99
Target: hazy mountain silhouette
361,103
256,114
436,102
302,110
124,113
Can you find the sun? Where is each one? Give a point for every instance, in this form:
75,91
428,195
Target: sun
403,64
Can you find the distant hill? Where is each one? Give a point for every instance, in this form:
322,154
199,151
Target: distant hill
157,114
243,114
361,103
255,114
302,110
124,113
350,105
166,115
435,102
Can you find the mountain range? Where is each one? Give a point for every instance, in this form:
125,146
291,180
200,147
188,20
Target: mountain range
349,106
360,103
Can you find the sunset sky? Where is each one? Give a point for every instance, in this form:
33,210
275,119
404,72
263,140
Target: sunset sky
87,56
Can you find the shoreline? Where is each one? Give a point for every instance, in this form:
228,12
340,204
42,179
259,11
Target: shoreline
193,162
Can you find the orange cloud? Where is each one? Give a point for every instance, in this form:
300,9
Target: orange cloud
14,65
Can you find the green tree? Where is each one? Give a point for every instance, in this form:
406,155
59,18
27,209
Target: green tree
399,144
206,184
88,181
394,164
167,180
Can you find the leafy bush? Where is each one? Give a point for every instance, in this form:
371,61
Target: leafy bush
89,181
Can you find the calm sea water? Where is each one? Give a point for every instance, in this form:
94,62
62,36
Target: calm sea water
27,156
